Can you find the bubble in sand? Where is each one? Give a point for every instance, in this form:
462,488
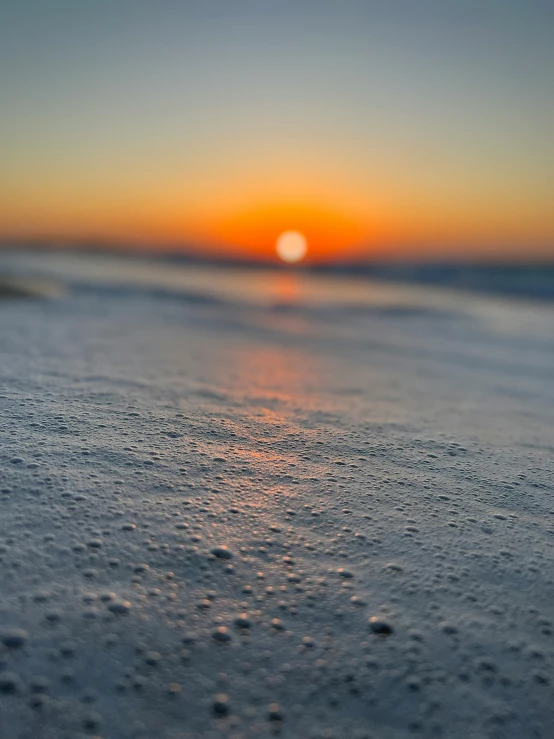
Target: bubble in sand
448,628
54,615
15,638
243,622
345,573
120,607
380,626
92,721
153,658
41,596
393,567
40,684
220,704
10,682
221,634
39,700
68,648
541,677
274,712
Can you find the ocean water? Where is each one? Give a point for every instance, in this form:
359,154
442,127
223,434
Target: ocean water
432,287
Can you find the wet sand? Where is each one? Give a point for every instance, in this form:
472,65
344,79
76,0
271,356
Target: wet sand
245,518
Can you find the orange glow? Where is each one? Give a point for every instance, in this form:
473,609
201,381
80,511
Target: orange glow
338,218
328,234
286,288
274,381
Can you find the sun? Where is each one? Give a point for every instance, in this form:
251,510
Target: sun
291,246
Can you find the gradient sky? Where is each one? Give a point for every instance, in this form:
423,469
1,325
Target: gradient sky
390,127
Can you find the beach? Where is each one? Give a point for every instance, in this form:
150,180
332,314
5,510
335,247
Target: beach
247,503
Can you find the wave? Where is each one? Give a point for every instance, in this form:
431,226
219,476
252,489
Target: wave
528,281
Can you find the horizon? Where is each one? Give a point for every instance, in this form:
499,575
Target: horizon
224,256
379,132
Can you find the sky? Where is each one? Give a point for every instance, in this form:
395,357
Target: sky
376,128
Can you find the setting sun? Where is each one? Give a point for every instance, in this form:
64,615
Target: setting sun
291,246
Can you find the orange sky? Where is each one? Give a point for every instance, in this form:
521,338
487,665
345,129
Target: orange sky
375,133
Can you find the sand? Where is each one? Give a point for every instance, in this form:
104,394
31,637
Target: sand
244,505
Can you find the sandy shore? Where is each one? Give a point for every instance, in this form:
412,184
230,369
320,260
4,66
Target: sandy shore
226,518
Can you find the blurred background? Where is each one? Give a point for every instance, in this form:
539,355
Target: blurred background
407,140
